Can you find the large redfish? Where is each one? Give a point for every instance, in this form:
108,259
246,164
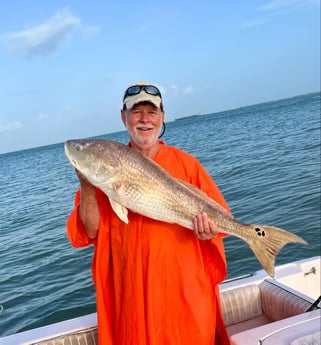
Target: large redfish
133,181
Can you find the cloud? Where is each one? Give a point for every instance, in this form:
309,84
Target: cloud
153,21
254,22
10,127
286,5
45,38
175,90
273,8
89,30
188,89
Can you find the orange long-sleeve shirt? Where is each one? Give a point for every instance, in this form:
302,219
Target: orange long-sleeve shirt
156,283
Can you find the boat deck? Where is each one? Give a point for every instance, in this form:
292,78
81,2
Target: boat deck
256,310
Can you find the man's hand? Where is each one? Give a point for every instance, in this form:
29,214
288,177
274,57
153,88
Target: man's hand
89,210
84,183
204,228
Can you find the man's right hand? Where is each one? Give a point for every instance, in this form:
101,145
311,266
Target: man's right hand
89,209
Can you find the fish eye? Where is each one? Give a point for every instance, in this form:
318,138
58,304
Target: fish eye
78,147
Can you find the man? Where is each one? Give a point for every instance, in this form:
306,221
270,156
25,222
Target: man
156,283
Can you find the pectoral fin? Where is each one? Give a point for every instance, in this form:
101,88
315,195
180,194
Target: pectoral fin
120,210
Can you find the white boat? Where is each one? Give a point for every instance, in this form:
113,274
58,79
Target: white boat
257,310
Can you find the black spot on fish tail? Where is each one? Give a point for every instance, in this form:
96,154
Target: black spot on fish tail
260,232
268,242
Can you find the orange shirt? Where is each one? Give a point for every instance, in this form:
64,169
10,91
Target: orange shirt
156,283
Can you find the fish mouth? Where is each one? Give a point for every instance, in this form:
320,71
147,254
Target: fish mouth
69,147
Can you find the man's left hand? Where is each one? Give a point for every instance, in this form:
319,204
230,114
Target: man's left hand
204,228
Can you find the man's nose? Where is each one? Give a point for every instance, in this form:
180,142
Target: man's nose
144,117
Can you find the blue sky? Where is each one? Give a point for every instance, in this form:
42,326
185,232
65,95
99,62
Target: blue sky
65,64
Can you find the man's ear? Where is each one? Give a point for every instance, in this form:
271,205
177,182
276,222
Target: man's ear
123,117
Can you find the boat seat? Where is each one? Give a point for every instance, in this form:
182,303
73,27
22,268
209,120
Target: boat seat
279,302
242,308
83,337
241,304
258,304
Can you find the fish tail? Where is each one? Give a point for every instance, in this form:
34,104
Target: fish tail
268,242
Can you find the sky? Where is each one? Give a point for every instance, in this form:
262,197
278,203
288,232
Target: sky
64,65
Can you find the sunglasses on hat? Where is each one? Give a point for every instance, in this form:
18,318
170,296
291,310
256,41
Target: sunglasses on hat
136,89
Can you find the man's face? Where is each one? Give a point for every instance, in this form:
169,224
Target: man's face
144,122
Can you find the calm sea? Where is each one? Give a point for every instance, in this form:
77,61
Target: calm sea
265,158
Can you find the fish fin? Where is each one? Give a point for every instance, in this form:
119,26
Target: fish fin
117,206
202,194
120,210
267,242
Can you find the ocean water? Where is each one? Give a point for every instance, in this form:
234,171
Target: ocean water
265,159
